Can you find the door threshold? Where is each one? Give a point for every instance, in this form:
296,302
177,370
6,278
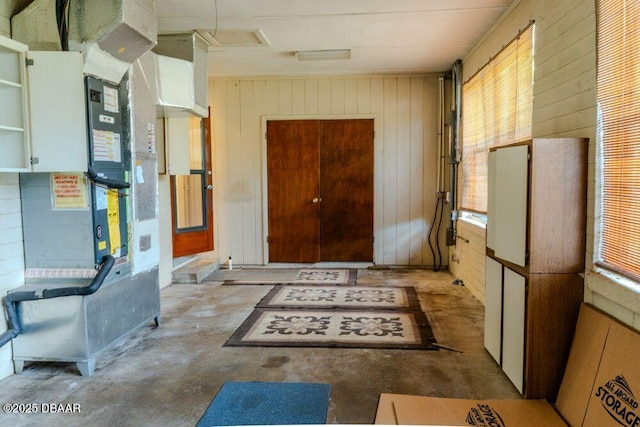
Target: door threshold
182,261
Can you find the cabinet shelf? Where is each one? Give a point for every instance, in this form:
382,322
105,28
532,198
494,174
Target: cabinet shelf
9,84
10,129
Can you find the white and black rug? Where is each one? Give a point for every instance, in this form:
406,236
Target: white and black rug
352,297
383,317
286,276
334,328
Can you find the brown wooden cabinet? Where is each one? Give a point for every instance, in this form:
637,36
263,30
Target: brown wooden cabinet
535,255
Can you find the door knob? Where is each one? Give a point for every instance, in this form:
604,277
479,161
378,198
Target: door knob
316,200
209,187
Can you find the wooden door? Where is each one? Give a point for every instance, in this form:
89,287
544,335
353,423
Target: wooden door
191,198
346,188
320,190
293,181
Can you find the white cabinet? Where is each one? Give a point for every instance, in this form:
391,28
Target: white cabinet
514,328
57,112
493,309
491,200
535,253
42,110
177,140
511,175
14,125
504,322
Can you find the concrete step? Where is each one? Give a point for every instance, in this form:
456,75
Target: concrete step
195,271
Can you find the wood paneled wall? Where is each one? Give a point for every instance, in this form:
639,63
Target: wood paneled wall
405,112
564,93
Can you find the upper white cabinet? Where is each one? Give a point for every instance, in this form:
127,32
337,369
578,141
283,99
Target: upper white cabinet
57,112
511,174
536,204
177,140
42,110
14,125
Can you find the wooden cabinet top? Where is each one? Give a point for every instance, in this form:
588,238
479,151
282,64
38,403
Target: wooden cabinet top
556,196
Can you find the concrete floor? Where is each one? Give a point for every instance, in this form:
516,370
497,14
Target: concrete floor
167,376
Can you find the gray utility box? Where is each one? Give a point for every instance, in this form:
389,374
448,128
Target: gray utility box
79,328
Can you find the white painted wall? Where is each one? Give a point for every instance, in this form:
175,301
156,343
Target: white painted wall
11,252
467,257
564,105
166,243
405,150
7,9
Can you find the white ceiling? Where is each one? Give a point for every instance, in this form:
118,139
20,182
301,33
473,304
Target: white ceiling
385,36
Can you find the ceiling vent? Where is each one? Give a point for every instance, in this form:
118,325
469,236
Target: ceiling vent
234,38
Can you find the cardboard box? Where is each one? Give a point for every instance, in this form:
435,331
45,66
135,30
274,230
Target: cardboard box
588,344
612,397
396,409
598,388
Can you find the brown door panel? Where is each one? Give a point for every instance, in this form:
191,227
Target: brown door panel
346,179
320,190
293,182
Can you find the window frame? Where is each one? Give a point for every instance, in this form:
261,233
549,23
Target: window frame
617,231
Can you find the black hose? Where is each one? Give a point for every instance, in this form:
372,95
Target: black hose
14,323
437,260
13,298
62,19
109,183
435,215
105,268
438,234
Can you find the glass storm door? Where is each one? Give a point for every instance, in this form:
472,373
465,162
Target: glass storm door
191,196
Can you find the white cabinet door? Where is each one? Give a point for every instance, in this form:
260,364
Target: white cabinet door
514,328
510,234
493,308
177,145
491,200
57,110
14,119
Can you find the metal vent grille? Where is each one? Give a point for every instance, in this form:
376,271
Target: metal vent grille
234,37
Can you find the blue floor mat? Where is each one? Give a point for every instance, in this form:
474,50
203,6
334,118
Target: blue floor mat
267,403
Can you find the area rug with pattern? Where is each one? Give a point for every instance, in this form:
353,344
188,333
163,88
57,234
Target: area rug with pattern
352,297
346,322
286,276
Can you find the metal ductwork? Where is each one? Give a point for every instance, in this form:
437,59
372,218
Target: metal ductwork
112,34
125,29
181,70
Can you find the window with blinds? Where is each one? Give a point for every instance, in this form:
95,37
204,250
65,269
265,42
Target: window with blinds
497,105
618,94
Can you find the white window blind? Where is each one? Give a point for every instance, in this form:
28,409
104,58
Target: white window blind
497,105
618,94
